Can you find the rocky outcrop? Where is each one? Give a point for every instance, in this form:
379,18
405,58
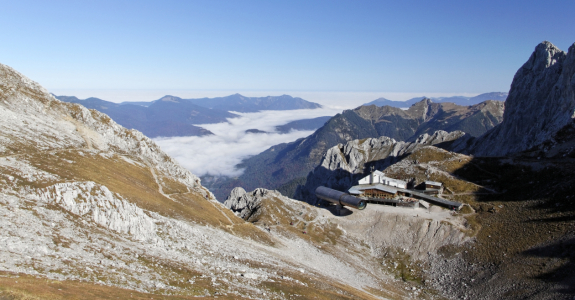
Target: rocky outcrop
102,206
343,165
541,102
245,204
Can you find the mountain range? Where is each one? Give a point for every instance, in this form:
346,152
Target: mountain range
284,166
459,100
239,103
173,116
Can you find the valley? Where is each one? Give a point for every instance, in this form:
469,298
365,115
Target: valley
284,166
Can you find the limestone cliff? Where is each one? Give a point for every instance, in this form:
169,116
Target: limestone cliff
541,102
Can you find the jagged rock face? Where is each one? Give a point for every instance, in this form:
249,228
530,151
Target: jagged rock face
343,165
427,117
541,101
245,204
103,207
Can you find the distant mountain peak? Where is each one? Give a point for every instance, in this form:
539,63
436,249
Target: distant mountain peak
237,95
239,103
170,98
541,102
422,102
459,100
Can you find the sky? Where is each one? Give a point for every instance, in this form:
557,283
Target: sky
332,52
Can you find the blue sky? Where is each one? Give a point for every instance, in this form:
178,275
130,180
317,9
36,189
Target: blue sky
421,47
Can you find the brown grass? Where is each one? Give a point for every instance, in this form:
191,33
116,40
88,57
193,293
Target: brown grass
136,184
274,214
26,287
171,186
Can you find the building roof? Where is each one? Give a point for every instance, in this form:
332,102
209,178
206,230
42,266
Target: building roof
382,176
433,183
435,200
357,189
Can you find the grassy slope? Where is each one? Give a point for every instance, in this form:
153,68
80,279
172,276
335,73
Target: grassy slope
299,220
132,178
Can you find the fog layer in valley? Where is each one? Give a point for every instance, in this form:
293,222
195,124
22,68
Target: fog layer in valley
219,153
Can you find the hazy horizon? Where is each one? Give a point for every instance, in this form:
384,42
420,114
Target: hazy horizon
334,99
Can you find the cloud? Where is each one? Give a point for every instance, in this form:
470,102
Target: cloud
218,154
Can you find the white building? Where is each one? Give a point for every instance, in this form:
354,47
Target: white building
377,177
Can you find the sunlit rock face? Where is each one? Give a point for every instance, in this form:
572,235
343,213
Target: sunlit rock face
343,165
541,101
245,204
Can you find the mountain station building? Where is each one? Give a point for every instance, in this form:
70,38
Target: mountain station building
378,177
378,188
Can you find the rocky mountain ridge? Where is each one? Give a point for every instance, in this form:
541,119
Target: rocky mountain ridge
459,100
284,166
541,102
169,116
426,116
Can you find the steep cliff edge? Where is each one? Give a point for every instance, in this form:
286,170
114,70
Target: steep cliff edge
541,102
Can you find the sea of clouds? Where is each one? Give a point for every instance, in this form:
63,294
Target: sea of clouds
218,154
